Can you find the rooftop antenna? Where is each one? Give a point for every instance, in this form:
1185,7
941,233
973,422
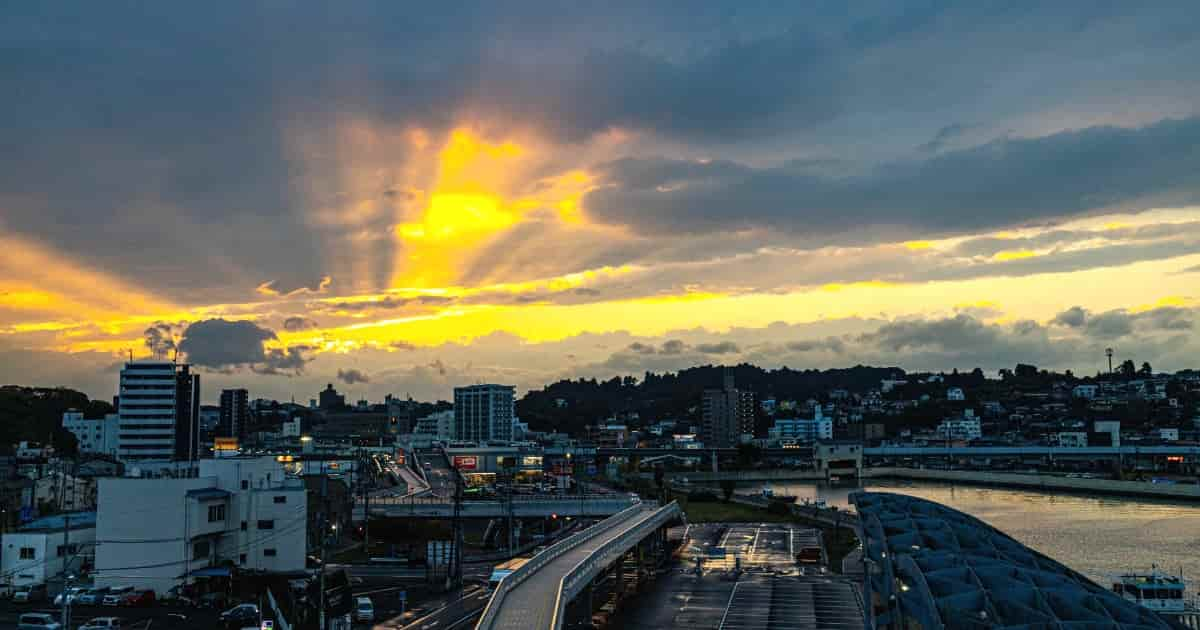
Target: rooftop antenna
1109,352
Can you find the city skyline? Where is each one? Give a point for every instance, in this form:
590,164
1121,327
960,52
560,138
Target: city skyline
402,201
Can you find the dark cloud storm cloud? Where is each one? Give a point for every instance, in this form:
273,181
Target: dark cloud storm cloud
298,323
353,376
224,345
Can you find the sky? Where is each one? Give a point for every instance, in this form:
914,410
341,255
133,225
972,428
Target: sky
400,199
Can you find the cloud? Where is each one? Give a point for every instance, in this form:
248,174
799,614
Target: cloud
224,345
1073,317
353,376
944,136
384,303
721,347
1003,183
641,348
298,323
402,345
672,346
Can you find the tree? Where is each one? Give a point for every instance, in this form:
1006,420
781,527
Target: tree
1146,369
1128,369
727,487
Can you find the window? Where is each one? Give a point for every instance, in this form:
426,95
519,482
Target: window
281,498
28,553
200,550
243,525
245,484
68,550
216,513
270,553
266,524
242,559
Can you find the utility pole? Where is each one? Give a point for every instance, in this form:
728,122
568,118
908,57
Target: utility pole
324,540
455,578
66,606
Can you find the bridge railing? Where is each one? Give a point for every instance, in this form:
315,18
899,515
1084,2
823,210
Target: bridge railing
548,555
574,580
531,498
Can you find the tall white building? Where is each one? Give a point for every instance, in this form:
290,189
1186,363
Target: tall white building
94,436
483,412
159,409
162,532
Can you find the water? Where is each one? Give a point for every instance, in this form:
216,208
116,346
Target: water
1095,535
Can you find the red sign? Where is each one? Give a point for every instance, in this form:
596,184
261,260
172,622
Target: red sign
466,462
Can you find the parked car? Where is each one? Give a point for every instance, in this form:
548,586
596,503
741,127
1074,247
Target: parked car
91,597
364,610
240,614
37,621
30,593
139,598
71,594
102,623
6,591
116,595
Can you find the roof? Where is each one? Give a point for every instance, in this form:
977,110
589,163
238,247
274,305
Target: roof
56,523
933,567
207,494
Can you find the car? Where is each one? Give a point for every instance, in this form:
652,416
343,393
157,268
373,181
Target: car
37,621
114,596
70,595
102,623
91,597
139,598
242,613
364,610
6,591
30,593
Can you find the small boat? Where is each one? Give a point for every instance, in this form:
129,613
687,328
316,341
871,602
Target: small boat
1157,591
769,495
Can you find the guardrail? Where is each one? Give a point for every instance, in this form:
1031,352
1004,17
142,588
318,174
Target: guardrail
550,554
586,570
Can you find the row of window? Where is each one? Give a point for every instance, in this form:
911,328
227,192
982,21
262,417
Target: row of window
146,436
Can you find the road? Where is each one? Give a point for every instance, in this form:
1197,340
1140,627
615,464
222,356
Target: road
445,614
439,473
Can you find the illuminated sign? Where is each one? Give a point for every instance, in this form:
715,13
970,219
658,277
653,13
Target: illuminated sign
225,444
285,459
466,462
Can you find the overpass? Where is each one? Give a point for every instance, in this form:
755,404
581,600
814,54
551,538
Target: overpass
558,582
533,506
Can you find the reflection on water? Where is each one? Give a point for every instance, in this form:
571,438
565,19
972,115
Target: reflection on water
1095,535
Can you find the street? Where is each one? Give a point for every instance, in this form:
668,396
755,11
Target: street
158,617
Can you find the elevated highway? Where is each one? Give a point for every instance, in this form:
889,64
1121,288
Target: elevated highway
534,506
539,595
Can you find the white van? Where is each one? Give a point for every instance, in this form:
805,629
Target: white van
364,610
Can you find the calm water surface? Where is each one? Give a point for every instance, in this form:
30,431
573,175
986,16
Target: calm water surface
1095,535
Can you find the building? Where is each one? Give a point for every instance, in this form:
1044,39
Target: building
210,418
292,428
1070,439
161,532
60,492
483,413
93,436
609,435
1086,392
26,451
438,425
964,428
955,394
1168,435
1105,433
812,429
330,399
727,414
400,414
159,409
235,413
39,550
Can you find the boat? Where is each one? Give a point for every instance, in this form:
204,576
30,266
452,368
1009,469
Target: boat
1157,591
769,495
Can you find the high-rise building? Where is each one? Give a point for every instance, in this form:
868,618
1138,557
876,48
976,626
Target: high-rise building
235,413
159,410
483,412
331,400
727,414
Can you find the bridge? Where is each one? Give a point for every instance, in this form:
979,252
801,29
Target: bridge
558,583
532,506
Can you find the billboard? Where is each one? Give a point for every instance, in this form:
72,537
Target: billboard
225,444
466,462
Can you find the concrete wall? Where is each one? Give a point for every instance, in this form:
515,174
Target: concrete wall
1043,482
746,476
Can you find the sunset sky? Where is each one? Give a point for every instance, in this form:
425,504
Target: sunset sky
401,198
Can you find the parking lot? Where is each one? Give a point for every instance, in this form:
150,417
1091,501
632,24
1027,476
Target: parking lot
164,617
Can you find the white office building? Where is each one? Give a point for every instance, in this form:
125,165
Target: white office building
812,429
162,532
965,428
438,425
38,551
483,413
96,437
159,409
955,394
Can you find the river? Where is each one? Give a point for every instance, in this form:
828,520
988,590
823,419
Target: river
1095,535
